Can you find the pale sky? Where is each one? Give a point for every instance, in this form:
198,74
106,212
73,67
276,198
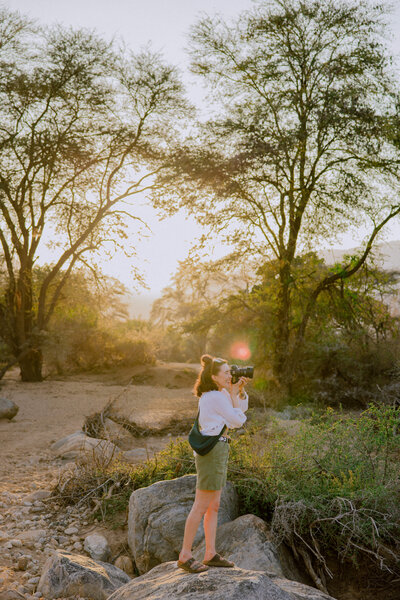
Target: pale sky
165,23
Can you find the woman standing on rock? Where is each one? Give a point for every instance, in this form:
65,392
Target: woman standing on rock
220,403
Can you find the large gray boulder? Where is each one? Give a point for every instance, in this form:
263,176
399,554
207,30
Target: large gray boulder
157,516
66,574
8,408
247,542
300,591
79,445
167,582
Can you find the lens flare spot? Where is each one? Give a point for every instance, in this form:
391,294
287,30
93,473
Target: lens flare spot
240,351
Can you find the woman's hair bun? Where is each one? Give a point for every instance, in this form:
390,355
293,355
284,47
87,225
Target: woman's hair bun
206,359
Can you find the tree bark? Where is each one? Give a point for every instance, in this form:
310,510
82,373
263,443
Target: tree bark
31,365
282,332
27,343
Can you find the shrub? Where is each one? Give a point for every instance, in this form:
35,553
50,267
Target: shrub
88,348
331,488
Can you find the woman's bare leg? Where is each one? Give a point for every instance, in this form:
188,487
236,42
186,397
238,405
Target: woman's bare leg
202,501
210,525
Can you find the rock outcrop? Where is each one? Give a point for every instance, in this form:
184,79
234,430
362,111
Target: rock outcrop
67,574
167,581
157,516
8,408
247,542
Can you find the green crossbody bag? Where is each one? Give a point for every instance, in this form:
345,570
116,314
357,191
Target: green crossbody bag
202,444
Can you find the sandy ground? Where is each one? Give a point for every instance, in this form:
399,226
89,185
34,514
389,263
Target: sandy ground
54,409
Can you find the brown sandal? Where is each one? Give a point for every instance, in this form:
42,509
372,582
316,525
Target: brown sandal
218,561
192,566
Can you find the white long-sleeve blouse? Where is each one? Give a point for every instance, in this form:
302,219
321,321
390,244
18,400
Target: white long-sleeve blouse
216,410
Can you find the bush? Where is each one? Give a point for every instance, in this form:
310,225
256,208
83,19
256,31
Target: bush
346,373
329,489
332,489
81,346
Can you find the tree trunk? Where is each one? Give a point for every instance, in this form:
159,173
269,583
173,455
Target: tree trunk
282,333
27,344
31,365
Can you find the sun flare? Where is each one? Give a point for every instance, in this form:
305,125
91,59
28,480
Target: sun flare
240,351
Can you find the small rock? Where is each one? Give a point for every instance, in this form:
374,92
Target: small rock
23,563
71,530
97,547
135,455
62,539
39,495
33,580
16,543
29,545
125,564
78,546
32,536
4,537
11,595
8,409
22,589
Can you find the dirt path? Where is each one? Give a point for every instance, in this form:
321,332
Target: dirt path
51,410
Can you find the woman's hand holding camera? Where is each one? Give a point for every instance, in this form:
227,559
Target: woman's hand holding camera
238,387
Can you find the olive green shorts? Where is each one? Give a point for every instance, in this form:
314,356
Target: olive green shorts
212,468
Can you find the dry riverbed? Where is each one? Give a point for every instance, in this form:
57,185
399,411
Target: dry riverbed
48,411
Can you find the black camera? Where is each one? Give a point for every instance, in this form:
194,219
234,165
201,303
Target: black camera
238,372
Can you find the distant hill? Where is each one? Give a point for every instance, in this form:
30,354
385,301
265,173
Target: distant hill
387,254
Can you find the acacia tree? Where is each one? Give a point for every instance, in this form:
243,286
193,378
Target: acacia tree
83,129
304,144
190,305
